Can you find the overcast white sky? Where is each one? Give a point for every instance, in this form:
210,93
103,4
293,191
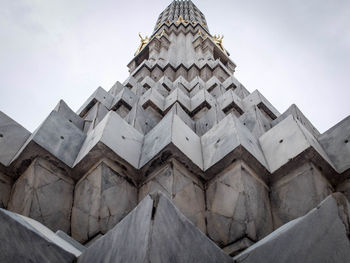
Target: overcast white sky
292,51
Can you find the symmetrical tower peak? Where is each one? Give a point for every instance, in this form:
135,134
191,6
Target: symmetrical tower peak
185,10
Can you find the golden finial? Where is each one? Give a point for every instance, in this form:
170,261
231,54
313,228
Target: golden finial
180,20
168,22
143,43
199,32
218,41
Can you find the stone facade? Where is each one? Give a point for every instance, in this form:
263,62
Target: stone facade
181,124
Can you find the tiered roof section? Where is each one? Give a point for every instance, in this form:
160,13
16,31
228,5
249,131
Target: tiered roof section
182,124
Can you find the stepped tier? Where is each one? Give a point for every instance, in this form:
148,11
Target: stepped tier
181,124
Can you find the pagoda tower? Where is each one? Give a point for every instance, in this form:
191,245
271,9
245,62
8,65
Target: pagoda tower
178,163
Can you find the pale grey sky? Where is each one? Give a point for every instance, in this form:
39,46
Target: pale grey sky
292,51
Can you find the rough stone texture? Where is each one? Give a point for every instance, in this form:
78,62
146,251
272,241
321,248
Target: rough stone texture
185,190
5,189
101,199
44,194
319,236
336,143
287,140
155,231
22,240
12,138
183,124
305,185
238,206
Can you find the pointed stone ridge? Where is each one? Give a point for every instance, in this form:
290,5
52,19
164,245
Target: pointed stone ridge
155,231
320,236
181,11
25,240
181,122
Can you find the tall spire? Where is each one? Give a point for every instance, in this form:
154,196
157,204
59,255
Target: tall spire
185,10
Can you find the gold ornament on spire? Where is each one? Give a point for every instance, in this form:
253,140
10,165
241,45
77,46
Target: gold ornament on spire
218,41
180,20
143,43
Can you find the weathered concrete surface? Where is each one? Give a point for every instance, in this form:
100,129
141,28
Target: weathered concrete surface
71,241
297,114
257,99
5,189
178,134
118,136
25,240
319,236
183,188
255,121
155,231
287,140
58,136
69,114
100,95
297,193
45,194
12,138
101,199
336,143
228,140
238,206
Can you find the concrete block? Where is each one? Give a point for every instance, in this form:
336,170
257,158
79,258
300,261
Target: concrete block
241,91
297,193
200,100
286,141
12,138
179,96
69,114
182,187
255,121
104,197
116,88
319,236
152,98
125,98
336,143
155,231
297,114
228,140
179,135
45,194
238,206
115,133
230,102
257,99
100,95
213,116
141,120
5,189
25,240
57,136
94,116
182,114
